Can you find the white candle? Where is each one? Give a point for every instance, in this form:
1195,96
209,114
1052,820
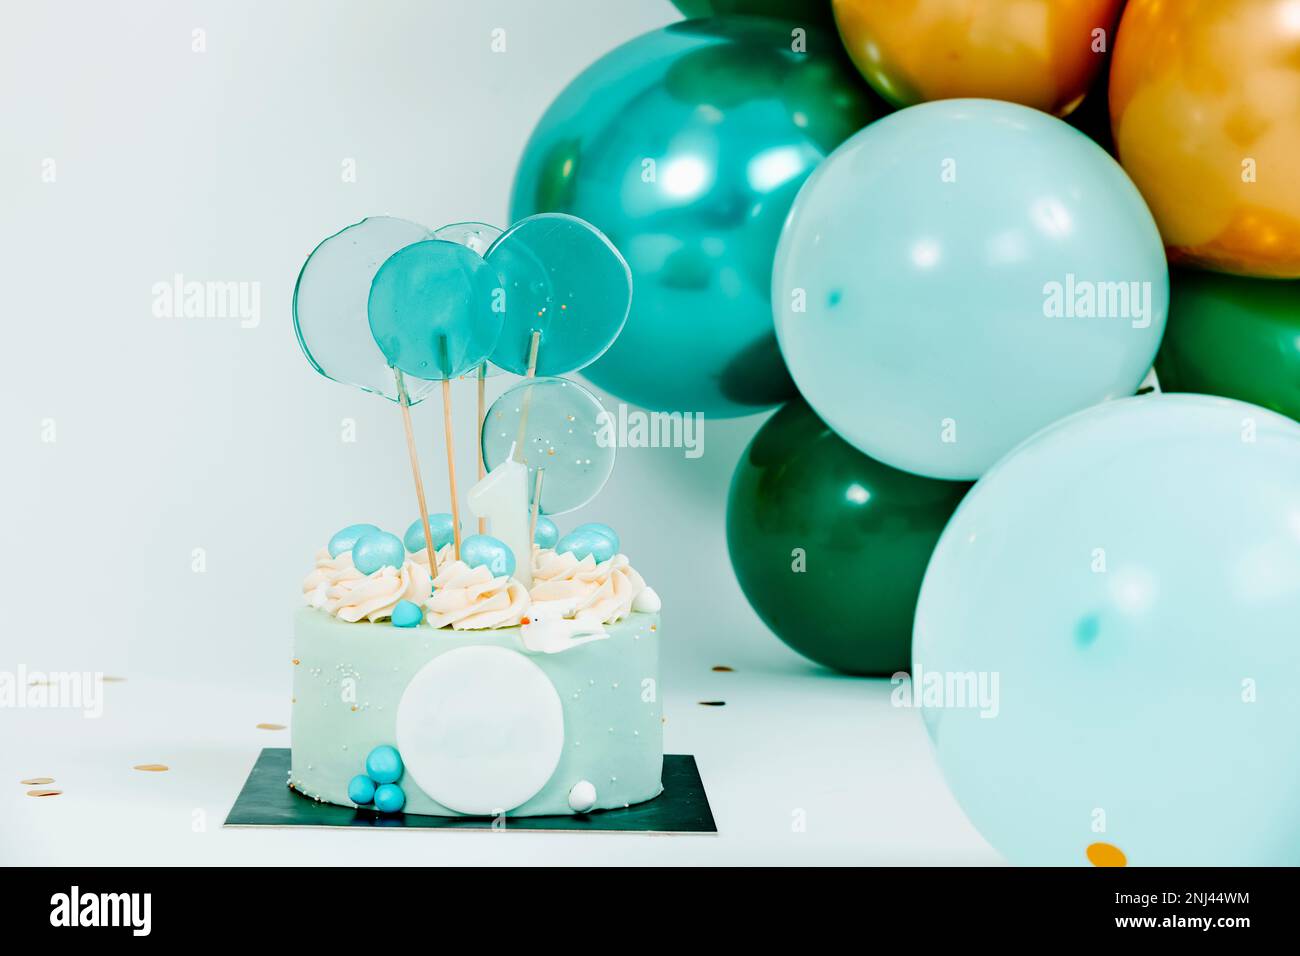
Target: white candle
501,497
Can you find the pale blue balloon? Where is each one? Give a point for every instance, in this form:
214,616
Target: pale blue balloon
1132,576
430,309
562,279
918,277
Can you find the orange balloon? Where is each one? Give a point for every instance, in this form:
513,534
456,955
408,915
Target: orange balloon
1205,108
1042,53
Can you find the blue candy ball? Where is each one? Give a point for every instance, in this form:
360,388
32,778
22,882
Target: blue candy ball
547,533
376,550
384,765
361,789
602,529
389,798
346,539
583,543
407,614
441,527
486,551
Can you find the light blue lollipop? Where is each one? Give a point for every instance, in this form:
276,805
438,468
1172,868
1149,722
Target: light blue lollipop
431,310
564,279
567,432
329,304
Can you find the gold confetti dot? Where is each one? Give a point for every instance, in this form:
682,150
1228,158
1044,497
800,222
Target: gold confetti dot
43,793
270,726
723,668
151,767
355,708
36,781
1106,854
296,661
713,703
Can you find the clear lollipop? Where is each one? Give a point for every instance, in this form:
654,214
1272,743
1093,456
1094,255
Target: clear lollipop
556,426
567,294
330,304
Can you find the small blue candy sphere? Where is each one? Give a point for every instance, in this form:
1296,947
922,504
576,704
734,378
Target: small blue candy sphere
384,765
346,539
376,550
407,614
602,529
486,551
583,543
389,798
547,534
361,790
441,527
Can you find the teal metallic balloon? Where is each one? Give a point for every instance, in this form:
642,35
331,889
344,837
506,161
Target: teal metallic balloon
431,311
1130,578
330,298
816,12
830,545
686,146
960,274
565,282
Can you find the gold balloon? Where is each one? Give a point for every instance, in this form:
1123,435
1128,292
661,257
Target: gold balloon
1205,108
1042,53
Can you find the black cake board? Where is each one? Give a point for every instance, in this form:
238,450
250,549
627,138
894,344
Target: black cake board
268,801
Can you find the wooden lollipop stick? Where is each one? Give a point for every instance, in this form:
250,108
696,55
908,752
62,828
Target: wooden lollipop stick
482,417
405,401
533,346
537,501
451,463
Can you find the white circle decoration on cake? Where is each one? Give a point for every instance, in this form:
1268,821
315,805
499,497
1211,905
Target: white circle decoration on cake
480,729
582,796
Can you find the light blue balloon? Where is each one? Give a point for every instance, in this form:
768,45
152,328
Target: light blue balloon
389,798
407,614
346,539
384,764
361,789
1131,575
602,529
483,550
583,543
441,526
431,309
563,279
918,279
547,533
566,433
685,146
376,550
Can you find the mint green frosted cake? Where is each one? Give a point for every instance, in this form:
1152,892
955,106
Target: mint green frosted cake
473,693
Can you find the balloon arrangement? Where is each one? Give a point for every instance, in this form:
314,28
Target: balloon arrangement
973,288
393,308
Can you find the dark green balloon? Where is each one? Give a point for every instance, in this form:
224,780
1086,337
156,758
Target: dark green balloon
865,531
1233,336
814,12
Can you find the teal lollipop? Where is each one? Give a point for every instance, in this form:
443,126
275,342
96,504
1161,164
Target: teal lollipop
564,281
476,236
431,312
329,304
559,427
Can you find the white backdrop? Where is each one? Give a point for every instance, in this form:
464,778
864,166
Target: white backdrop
132,440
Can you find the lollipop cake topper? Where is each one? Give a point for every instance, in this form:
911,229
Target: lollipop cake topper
392,307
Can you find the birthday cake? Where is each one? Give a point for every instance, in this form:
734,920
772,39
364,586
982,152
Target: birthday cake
510,673
467,692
